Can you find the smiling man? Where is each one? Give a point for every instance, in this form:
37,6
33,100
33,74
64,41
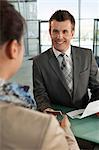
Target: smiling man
63,73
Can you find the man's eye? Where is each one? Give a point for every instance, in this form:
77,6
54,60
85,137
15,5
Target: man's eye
55,31
65,31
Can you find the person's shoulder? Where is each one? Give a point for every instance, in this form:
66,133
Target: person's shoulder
35,115
39,122
32,119
81,48
31,125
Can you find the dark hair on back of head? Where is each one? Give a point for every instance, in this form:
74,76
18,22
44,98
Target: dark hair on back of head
11,23
62,15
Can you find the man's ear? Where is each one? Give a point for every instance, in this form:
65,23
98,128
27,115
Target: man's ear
12,49
73,32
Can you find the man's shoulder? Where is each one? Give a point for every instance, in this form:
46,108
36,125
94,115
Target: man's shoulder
83,49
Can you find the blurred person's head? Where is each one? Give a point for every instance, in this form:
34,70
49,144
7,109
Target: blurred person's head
61,29
11,40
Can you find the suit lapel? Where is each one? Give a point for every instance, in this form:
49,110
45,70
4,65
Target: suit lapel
55,66
76,67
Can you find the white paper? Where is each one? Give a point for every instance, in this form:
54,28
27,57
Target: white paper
75,113
92,108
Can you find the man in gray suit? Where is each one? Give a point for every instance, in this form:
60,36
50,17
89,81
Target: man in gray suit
49,82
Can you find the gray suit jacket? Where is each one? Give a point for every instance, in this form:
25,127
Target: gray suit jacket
50,85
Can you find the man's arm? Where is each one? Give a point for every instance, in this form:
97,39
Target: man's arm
39,89
94,80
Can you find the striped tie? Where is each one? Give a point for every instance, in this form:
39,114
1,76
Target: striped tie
66,67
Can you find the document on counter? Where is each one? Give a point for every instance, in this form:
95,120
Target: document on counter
92,108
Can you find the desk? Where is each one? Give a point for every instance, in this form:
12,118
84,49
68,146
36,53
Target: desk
86,128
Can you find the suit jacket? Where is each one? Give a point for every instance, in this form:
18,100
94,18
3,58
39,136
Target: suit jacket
24,129
50,85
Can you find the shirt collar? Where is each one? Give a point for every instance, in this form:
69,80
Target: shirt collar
67,52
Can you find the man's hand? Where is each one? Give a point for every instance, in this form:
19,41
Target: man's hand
64,122
48,109
97,114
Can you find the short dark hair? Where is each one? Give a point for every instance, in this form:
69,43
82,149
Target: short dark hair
11,23
62,15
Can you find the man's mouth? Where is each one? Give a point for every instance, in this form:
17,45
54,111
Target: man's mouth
59,42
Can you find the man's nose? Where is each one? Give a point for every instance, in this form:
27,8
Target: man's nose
60,35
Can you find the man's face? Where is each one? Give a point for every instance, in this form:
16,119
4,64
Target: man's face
61,34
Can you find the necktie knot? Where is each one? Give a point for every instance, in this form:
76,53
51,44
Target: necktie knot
63,63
